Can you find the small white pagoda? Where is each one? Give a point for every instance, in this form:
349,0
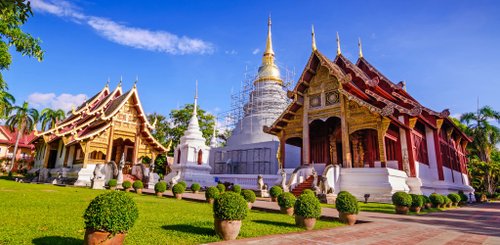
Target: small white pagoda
191,155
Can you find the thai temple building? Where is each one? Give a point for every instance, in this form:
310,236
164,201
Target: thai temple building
366,134
109,126
249,150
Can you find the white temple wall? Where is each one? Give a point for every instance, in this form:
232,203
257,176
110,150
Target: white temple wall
432,156
70,156
60,155
292,156
447,175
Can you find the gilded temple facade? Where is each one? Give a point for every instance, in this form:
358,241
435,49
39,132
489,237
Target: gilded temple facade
108,126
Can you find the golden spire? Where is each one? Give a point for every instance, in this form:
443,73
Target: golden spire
268,53
338,44
107,83
313,39
360,48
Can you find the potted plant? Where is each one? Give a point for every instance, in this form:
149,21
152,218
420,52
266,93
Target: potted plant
348,207
402,201
160,187
308,192
112,183
195,187
427,202
211,194
178,189
416,203
221,187
437,200
108,218
236,189
463,198
275,191
307,209
126,185
138,186
455,198
249,196
447,201
183,183
286,201
229,209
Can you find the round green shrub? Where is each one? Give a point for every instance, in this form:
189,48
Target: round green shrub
416,200
112,183
178,188
401,198
236,189
183,183
463,197
230,206
454,197
113,212
161,186
221,187
137,185
248,195
425,199
212,192
347,203
275,191
286,200
126,184
446,199
308,192
307,206
195,187
436,199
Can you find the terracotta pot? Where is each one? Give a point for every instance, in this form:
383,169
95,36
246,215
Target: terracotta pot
227,229
449,205
159,194
428,205
288,211
307,223
102,238
138,191
178,196
347,218
249,205
196,192
274,199
415,209
402,209
112,188
127,190
210,200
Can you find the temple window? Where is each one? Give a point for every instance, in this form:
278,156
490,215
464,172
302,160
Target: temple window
200,157
179,156
420,143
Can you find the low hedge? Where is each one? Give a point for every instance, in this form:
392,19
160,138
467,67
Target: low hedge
114,212
161,187
212,192
454,197
195,187
286,200
275,191
248,195
137,185
308,192
112,183
221,187
236,189
436,199
126,184
401,198
416,200
307,206
178,188
347,203
230,206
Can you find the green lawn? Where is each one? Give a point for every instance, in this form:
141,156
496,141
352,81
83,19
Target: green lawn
47,214
384,208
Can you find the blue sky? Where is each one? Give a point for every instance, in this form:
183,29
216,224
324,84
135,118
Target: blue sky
446,51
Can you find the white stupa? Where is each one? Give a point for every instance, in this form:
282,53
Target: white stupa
191,155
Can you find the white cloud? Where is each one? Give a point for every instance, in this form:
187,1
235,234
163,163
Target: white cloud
256,51
159,41
51,100
231,52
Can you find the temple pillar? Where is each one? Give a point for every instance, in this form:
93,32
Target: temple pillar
110,144
383,126
282,150
437,147
409,145
346,149
355,151
46,156
86,154
305,131
137,143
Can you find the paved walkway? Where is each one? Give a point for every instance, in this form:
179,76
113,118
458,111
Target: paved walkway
478,224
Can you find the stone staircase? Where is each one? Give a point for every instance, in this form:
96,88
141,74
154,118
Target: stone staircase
307,184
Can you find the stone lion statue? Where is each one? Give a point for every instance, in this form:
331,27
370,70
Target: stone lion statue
260,183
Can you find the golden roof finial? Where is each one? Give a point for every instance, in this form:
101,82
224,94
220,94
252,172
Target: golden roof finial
107,83
313,39
360,48
338,44
120,83
268,57
136,80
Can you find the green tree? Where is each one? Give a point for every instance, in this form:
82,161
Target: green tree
161,127
485,177
6,102
23,119
180,120
486,136
50,117
13,14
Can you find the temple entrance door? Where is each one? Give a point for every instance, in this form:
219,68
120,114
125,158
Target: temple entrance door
325,141
52,159
120,147
364,148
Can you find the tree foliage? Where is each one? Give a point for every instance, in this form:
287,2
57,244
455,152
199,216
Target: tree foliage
485,134
50,117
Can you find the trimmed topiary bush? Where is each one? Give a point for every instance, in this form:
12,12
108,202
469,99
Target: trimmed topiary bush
221,187
447,201
236,189
307,206
212,193
178,188
195,187
436,200
286,200
401,198
230,206
426,201
248,195
454,197
275,191
113,212
183,183
126,184
138,185
347,203
463,198
112,183
416,200
308,192
160,187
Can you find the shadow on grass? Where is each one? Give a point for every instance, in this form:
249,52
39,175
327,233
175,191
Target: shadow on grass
191,229
275,223
56,240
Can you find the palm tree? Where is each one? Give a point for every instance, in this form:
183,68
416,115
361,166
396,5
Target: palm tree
6,102
51,117
24,120
485,135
